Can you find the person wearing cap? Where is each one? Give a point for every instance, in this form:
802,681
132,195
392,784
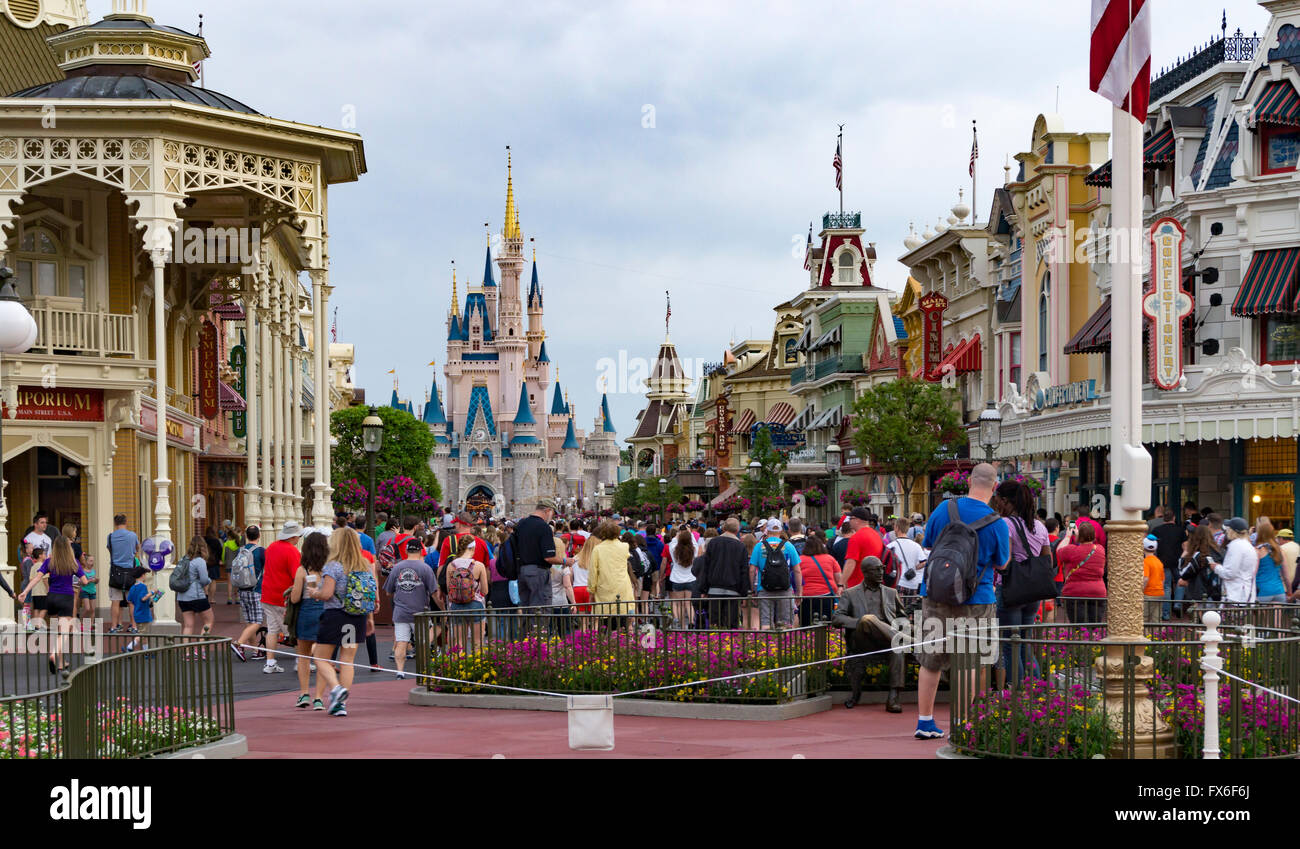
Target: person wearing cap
1290,554
917,531
534,545
412,584
1153,570
1240,563
864,543
775,605
1170,536
282,560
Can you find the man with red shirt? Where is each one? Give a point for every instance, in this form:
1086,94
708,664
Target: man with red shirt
864,543
1085,518
461,526
282,559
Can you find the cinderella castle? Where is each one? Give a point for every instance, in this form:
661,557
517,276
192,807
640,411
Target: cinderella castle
506,435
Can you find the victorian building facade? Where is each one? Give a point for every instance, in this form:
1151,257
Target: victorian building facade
159,232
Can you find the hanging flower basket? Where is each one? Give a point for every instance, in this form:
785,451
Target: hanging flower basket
814,496
1034,484
955,483
695,505
855,497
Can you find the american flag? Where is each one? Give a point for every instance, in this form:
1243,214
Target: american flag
1119,61
807,251
334,326
669,312
839,165
974,148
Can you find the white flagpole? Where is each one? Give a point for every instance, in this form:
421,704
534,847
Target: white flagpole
974,172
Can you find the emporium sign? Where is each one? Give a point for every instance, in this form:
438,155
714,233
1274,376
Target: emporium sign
932,306
239,362
208,399
36,404
1166,303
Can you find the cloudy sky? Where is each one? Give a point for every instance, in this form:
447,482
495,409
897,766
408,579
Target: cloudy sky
712,201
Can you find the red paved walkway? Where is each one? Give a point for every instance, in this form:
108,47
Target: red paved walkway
381,724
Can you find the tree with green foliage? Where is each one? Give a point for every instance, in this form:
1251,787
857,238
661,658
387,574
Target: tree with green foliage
408,444
769,483
904,427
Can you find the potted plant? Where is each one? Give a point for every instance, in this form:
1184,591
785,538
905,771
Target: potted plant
955,483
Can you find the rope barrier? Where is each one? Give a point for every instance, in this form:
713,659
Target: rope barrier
1250,683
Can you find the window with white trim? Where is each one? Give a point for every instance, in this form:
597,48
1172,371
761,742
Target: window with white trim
846,265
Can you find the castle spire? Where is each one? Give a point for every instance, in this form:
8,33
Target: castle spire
455,299
510,229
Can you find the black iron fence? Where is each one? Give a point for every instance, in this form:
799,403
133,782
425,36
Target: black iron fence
622,647
1068,694
168,693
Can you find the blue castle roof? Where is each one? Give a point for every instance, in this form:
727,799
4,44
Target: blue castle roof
607,423
541,353
455,331
479,400
433,413
525,414
558,407
476,303
534,291
570,438
487,269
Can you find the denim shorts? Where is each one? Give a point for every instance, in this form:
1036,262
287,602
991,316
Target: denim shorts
469,605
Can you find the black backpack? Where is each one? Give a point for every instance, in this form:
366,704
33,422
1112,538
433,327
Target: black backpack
952,571
507,566
639,562
776,572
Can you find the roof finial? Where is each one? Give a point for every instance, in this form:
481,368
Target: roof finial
455,299
487,231
1223,24
510,229
532,241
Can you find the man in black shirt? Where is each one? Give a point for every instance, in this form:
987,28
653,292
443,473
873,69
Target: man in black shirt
1169,547
535,552
724,575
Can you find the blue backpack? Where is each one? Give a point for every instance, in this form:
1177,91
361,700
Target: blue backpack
361,594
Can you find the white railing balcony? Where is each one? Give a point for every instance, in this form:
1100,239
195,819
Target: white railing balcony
82,332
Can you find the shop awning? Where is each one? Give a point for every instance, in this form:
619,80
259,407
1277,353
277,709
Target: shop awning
229,400
804,419
804,339
830,337
1270,283
780,414
744,422
830,418
1094,336
964,359
724,495
1158,149
1100,177
1279,104
229,311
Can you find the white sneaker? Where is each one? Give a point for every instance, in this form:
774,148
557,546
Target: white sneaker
274,667
401,675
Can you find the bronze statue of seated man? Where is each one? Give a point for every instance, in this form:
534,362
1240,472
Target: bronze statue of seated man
865,613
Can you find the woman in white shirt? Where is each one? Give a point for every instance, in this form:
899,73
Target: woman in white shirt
681,581
1240,563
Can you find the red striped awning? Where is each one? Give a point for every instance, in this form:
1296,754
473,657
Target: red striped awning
1100,177
1279,104
1158,149
780,414
229,311
744,422
964,358
1269,286
229,400
1094,336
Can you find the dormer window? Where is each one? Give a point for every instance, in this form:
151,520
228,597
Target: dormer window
44,270
1279,148
847,270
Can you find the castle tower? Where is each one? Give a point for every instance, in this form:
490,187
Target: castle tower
512,345
536,333
525,454
489,283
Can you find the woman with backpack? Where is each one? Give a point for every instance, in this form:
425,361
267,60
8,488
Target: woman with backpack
315,552
464,584
190,580
1015,502
349,591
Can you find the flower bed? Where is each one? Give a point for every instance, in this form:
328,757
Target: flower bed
122,731
610,661
1037,721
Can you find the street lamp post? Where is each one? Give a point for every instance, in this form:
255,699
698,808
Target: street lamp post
755,470
833,453
990,430
372,439
17,335
663,503
710,481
